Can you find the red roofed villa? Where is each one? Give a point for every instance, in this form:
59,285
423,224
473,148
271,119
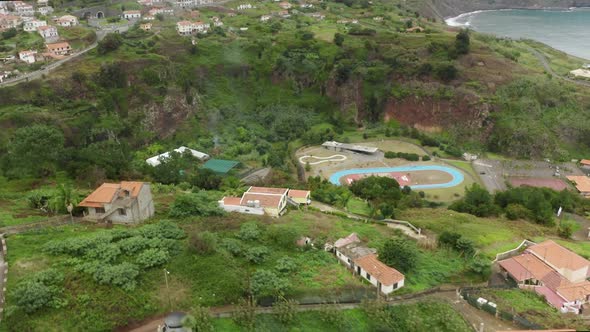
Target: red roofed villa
552,271
126,202
263,200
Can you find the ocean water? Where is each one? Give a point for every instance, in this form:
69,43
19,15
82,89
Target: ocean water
565,30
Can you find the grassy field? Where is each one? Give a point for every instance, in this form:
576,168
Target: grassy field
532,307
491,235
211,279
424,316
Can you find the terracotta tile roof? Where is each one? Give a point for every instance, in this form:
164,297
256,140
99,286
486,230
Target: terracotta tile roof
184,23
232,200
550,296
384,274
102,195
266,201
526,266
585,162
134,187
132,12
46,27
107,191
553,280
352,238
575,291
266,190
582,182
558,256
298,193
58,45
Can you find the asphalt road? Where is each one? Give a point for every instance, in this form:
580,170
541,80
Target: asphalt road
550,70
491,180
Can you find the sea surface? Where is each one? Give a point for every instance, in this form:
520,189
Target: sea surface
565,30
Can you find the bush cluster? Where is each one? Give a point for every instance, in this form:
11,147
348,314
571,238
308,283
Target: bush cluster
117,257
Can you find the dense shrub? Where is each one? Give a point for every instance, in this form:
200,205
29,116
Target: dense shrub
267,283
194,204
285,265
203,243
516,211
377,188
462,42
122,275
283,237
109,43
133,245
256,255
566,228
163,229
400,254
249,231
478,201
152,257
39,290
402,155
233,246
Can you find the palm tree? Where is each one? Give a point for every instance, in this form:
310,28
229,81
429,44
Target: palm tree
343,199
63,198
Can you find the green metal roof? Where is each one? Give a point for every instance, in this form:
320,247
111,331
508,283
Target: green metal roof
220,165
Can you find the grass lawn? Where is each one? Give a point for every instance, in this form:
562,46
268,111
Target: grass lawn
358,206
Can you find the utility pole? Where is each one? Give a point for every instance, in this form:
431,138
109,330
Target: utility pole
166,273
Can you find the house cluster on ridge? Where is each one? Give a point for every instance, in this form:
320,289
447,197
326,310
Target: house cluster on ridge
364,262
265,201
554,272
127,202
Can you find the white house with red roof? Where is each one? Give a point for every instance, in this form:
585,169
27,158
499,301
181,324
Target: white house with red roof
131,14
552,271
364,262
59,49
27,56
161,10
49,33
67,21
265,201
186,28
126,202
33,24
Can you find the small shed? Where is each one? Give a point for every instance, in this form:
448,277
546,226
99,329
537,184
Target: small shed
221,166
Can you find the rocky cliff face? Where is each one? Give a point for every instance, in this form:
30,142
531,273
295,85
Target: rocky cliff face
449,8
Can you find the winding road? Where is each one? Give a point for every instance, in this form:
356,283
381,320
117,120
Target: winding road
550,70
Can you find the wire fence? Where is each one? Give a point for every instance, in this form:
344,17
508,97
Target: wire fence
507,315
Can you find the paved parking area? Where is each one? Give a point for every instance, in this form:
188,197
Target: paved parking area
494,173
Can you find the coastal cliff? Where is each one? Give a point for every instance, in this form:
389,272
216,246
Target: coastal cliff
449,8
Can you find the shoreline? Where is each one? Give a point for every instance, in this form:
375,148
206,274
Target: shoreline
452,22
454,18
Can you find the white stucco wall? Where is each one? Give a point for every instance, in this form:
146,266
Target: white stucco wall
241,209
